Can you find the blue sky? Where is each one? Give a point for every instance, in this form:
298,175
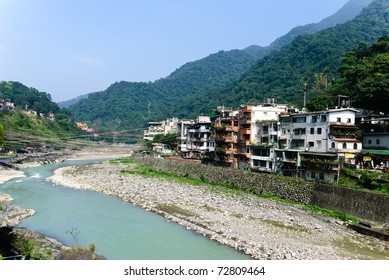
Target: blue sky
72,47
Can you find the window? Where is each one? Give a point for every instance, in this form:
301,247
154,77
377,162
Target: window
344,146
333,145
355,146
321,176
313,175
377,141
318,143
348,120
319,130
312,130
369,141
323,118
338,120
311,144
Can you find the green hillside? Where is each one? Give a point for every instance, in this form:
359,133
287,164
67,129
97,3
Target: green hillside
28,123
192,90
281,74
125,105
348,12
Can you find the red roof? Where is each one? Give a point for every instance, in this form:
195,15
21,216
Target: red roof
347,140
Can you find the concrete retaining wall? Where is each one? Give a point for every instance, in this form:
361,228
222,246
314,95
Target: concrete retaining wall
360,203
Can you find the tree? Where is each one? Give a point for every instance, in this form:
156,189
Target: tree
364,76
168,139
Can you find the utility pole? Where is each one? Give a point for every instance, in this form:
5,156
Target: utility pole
305,80
149,108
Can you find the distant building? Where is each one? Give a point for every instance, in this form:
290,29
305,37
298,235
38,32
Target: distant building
6,105
154,129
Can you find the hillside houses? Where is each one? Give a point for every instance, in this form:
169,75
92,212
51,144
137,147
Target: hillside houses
276,139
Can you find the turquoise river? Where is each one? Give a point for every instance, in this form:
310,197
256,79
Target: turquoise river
119,230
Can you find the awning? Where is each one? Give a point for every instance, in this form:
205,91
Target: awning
375,152
318,154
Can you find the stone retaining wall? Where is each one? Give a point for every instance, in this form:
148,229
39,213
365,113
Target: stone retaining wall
362,204
258,183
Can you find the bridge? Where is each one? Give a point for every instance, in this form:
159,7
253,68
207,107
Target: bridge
127,135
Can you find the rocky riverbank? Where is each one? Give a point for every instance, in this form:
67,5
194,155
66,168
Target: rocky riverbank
261,228
11,215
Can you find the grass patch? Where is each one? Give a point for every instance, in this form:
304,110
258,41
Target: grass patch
281,225
174,210
126,161
368,251
209,209
330,213
238,216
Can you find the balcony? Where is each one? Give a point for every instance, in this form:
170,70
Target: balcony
245,131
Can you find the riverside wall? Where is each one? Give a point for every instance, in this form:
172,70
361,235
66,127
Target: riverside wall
362,204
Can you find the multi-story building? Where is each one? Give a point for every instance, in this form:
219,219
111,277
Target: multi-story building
168,126
154,129
182,131
265,133
375,153
199,139
314,145
242,153
225,130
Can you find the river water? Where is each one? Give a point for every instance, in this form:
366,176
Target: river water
119,230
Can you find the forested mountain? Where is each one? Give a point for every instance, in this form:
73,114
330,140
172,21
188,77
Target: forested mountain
27,98
191,90
24,96
125,105
282,74
68,103
348,12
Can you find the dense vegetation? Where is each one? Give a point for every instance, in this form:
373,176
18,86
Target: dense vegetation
364,76
281,74
27,124
348,12
125,105
191,90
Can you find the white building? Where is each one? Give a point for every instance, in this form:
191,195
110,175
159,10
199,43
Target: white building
199,141
265,131
182,131
321,142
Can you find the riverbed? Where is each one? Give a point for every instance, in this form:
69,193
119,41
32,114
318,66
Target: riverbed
262,228
119,229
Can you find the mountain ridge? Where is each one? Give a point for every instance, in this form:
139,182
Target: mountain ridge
192,89
348,11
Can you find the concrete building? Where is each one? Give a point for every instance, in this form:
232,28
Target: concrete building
199,140
314,145
225,131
